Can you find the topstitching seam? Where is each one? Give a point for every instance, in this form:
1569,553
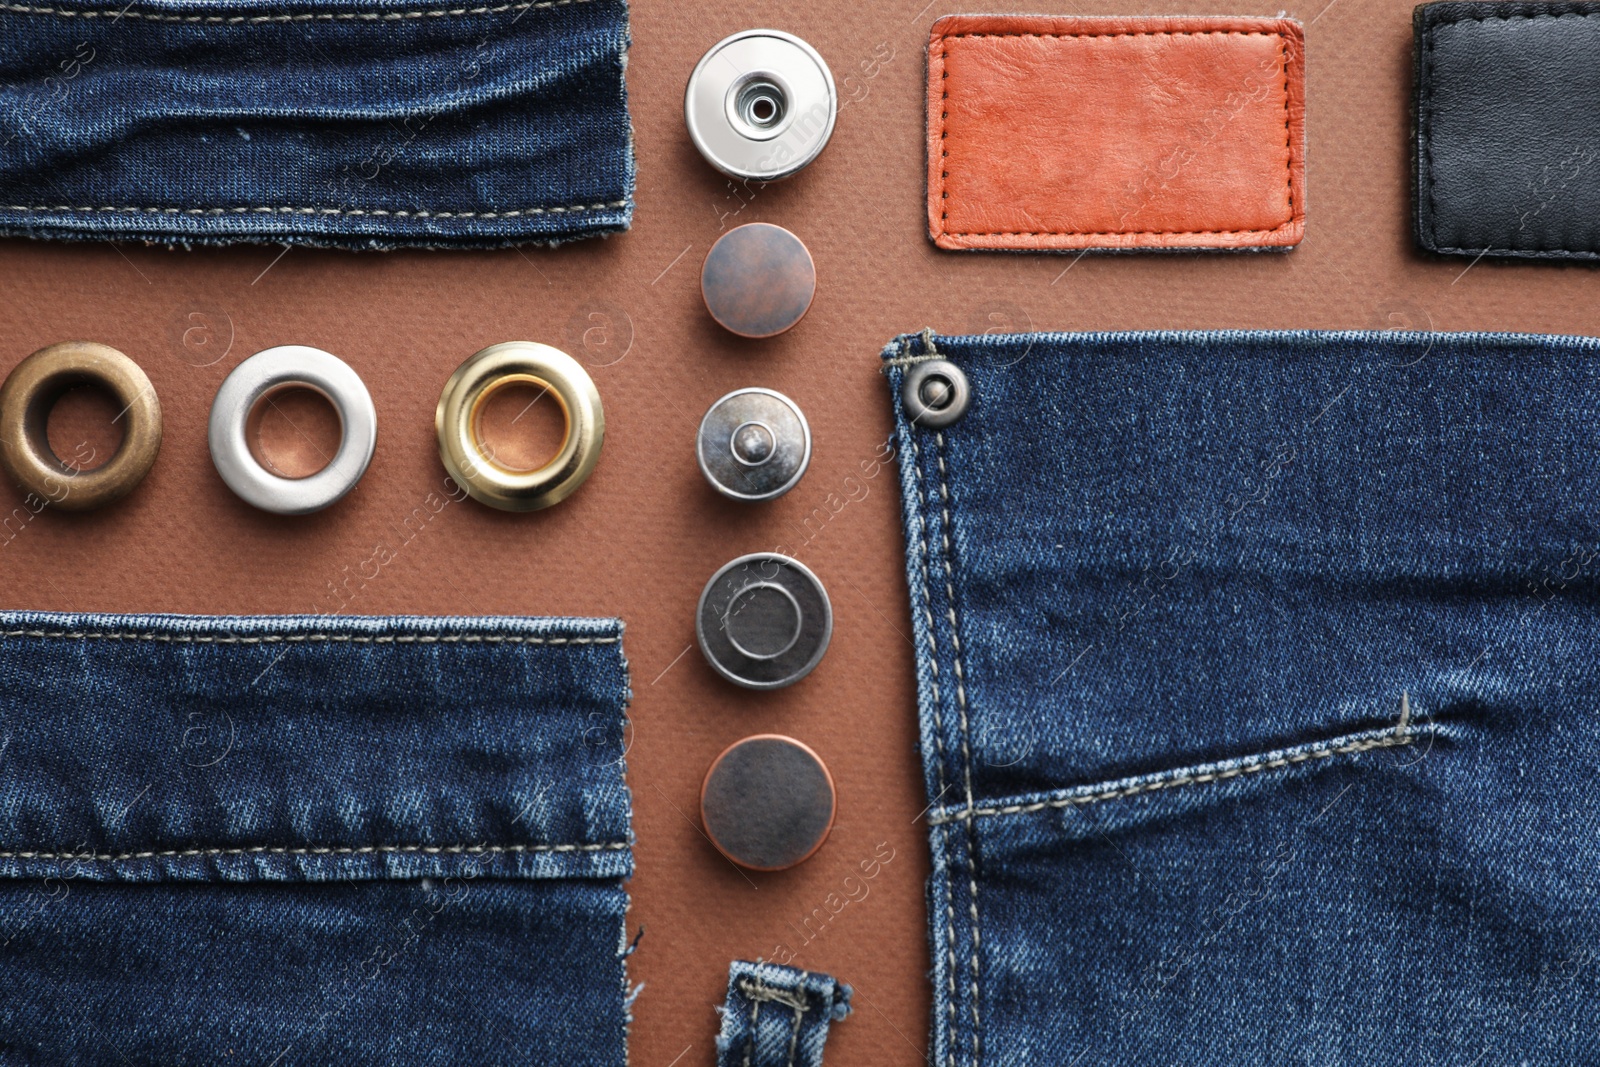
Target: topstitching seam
351,212
1288,138
265,639
966,751
117,14
938,738
1401,735
269,850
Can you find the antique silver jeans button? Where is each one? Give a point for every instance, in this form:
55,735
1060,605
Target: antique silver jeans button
935,394
753,444
764,621
760,105
767,802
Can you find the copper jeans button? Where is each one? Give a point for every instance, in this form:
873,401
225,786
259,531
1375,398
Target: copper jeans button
758,280
767,802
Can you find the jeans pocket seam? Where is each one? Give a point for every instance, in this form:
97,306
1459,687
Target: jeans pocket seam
1403,733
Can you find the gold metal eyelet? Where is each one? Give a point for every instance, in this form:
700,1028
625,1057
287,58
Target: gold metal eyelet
461,404
33,388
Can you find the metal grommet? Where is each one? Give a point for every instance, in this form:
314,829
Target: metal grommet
760,105
753,444
270,371
935,394
768,802
764,621
460,447
32,389
758,280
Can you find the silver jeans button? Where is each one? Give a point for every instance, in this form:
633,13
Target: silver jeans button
753,444
760,105
764,621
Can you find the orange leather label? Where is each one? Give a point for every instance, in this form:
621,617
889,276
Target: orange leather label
1059,133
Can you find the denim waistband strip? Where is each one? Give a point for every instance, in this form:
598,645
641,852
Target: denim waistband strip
134,748
351,123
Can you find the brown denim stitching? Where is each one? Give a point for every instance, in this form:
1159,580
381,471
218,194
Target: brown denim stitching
116,15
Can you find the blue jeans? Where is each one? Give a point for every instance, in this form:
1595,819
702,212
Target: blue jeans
1258,715
351,123
312,841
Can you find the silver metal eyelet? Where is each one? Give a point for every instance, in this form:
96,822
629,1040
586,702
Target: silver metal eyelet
935,394
265,373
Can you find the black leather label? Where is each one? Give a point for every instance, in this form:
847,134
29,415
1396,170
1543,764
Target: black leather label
1508,129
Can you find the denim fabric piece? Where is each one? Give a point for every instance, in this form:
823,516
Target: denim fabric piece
778,1016
1258,706
351,123
310,840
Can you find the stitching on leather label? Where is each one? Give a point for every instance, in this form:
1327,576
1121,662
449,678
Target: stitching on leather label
1288,136
1426,103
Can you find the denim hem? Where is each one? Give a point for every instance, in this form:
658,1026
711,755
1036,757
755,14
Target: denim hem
374,231
356,124
144,748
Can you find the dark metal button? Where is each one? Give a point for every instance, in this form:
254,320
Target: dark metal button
758,280
764,621
935,394
767,802
754,444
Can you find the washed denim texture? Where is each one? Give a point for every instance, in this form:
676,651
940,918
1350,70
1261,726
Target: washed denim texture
308,840
353,123
778,1016
1257,693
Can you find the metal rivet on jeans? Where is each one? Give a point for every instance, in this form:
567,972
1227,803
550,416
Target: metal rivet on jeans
760,105
935,394
764,621
753,444
758,280
767,802
33,388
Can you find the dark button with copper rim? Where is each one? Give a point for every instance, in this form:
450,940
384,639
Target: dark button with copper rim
758,280
764,621
767,802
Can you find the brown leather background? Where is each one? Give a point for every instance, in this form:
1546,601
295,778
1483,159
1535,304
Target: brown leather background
641,538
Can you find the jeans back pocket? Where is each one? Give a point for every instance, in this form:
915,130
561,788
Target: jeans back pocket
1254,676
